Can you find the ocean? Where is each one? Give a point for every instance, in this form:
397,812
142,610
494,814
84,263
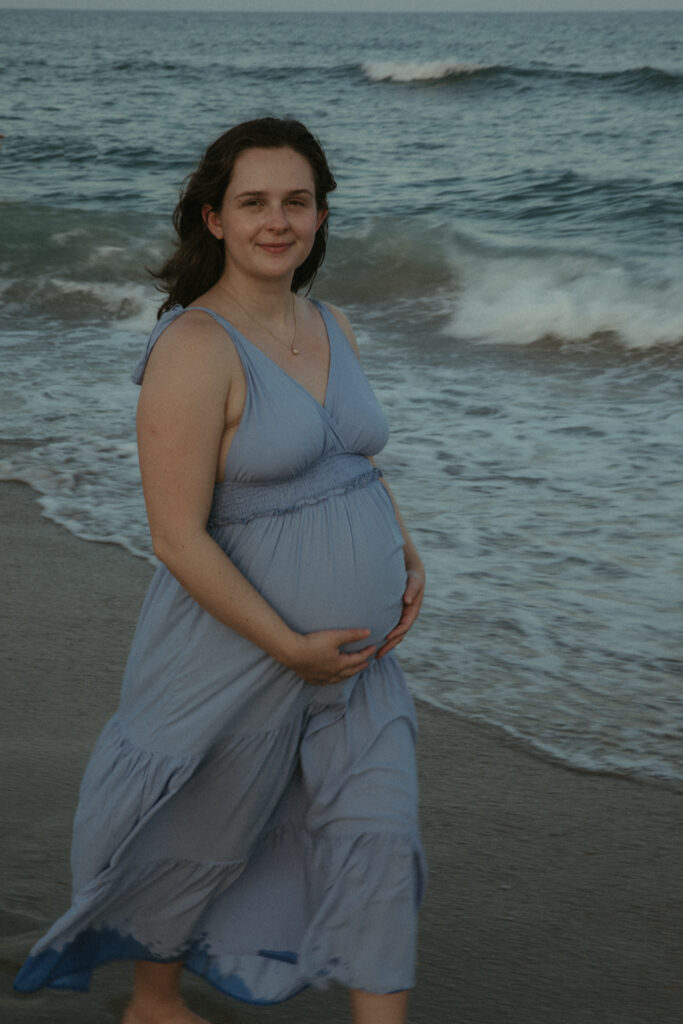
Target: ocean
506,238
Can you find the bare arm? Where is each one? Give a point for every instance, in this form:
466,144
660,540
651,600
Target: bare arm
415,585
182,415
415,570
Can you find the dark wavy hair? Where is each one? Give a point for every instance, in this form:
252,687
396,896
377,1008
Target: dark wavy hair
199,258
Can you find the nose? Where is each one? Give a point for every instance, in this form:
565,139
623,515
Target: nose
277,219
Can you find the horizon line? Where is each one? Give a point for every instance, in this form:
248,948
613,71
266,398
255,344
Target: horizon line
364,9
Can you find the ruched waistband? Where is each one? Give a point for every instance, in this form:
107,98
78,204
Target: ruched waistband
239,503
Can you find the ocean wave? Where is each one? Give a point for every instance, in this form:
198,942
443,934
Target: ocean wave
520,297
422,71
633,79
69,301
508,292
71,265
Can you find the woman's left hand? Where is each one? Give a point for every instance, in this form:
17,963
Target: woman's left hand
412,601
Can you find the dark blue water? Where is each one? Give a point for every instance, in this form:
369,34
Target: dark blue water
506,236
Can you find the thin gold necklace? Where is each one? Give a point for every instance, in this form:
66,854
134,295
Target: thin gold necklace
291,346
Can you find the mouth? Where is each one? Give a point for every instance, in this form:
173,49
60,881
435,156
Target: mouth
275,247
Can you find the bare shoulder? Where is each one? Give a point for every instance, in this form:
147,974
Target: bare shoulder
345,325
193,347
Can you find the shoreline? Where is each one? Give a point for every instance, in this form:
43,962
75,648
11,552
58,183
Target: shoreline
555,894
525,743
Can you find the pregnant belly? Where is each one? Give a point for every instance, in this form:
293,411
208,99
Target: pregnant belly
334,564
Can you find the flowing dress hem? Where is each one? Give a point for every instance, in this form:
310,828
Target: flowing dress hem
276,974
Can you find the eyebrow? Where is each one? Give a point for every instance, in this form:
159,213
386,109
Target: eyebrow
293,192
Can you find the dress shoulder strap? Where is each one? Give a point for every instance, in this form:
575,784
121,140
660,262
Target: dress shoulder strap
164,321
336,333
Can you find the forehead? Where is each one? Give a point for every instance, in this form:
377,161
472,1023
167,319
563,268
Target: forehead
260,169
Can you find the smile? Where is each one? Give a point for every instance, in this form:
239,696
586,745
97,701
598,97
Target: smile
275,248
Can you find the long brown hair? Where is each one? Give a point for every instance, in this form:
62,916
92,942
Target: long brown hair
199,258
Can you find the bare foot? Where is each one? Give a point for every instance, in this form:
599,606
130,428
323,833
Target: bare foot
178,1014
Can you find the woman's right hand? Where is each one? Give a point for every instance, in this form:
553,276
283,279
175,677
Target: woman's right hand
317,659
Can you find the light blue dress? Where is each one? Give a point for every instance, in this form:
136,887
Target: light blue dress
261,829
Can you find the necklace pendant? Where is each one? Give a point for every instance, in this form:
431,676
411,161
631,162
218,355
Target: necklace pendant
295,351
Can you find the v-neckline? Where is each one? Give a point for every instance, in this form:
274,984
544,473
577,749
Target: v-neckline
231,327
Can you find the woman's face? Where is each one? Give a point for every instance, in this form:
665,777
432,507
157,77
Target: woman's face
269,216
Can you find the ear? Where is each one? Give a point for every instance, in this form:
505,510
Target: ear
322,217
212,220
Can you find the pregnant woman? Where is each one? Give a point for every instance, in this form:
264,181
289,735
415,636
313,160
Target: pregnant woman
250,812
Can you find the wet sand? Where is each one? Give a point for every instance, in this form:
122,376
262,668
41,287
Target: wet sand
555,897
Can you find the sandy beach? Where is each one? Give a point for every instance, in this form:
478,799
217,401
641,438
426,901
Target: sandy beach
555,897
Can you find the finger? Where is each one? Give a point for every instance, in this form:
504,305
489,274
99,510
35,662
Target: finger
349,636
354,657
408,616
388,646
354,662
405,613
398,632
353,671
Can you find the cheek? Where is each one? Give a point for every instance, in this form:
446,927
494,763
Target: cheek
237,235
311,226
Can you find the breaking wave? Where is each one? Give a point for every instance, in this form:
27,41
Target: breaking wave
638,79
422,71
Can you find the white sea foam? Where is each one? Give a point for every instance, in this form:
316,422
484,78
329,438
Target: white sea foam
513,298
66,237
105,253
128,303
92,488
419,71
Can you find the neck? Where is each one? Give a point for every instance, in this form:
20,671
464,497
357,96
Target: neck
269,300
272,316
